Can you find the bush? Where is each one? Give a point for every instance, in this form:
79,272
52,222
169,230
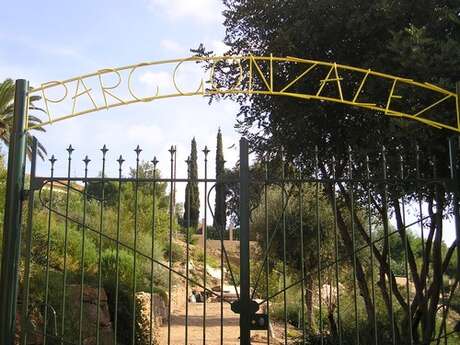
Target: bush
56,244
189,238
292,312
125,267
177,252
210,260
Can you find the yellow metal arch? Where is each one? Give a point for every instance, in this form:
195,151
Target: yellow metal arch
318,81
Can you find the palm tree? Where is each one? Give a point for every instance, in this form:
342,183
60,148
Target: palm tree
6,117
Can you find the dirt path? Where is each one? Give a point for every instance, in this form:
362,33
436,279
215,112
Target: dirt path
231,329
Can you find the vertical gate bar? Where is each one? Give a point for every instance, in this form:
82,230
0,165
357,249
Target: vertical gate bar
267,247
371,249
406,248
48,244
245,332
99,264
82,258
443,295
420,208
336,248
454,175
438,192
13,213
221,225
66,230
302,290
283,201
136,204
187,255
171,191
456,165
318,244
387,242
120,161
28,241
152,253
353,239
205,238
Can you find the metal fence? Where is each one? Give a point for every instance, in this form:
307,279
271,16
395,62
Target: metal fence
353,251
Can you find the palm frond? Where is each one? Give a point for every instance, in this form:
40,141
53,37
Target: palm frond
34,98
7,90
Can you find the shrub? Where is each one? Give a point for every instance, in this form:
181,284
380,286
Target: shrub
56,244
210,260
177,252
190,238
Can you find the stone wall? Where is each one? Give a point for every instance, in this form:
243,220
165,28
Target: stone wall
148,329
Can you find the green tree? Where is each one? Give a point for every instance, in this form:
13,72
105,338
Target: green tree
147,170
95,188
289,226
418,40
220,208
7,88
192,196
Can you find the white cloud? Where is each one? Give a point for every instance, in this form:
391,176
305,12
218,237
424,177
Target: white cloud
219,47
153,79
145,135
43,47
172,46
208,11
188,78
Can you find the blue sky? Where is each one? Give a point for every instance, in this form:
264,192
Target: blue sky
54,40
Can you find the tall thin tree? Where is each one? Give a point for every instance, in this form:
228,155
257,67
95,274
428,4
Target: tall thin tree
192,196
220,204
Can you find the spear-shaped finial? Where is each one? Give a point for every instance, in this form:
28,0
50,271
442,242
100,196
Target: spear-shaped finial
70,149
86,160
104,150
120,160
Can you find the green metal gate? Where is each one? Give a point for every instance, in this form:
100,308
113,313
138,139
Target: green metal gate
334,252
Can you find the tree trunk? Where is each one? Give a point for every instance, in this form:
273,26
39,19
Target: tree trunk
360,275
309,302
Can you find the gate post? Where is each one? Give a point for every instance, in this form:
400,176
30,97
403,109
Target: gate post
12,218
245,314
454,143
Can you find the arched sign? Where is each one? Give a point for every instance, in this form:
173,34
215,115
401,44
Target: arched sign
315,80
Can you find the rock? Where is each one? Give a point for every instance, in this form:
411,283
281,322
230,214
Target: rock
90,309
34,323
328,294
148,332
214,272
229,294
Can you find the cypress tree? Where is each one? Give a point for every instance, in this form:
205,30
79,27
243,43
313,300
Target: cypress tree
220,204
192,195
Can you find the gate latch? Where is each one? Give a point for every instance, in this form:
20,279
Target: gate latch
236,307
259,322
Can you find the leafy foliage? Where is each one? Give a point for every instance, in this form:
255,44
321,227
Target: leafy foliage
417,40
7,89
